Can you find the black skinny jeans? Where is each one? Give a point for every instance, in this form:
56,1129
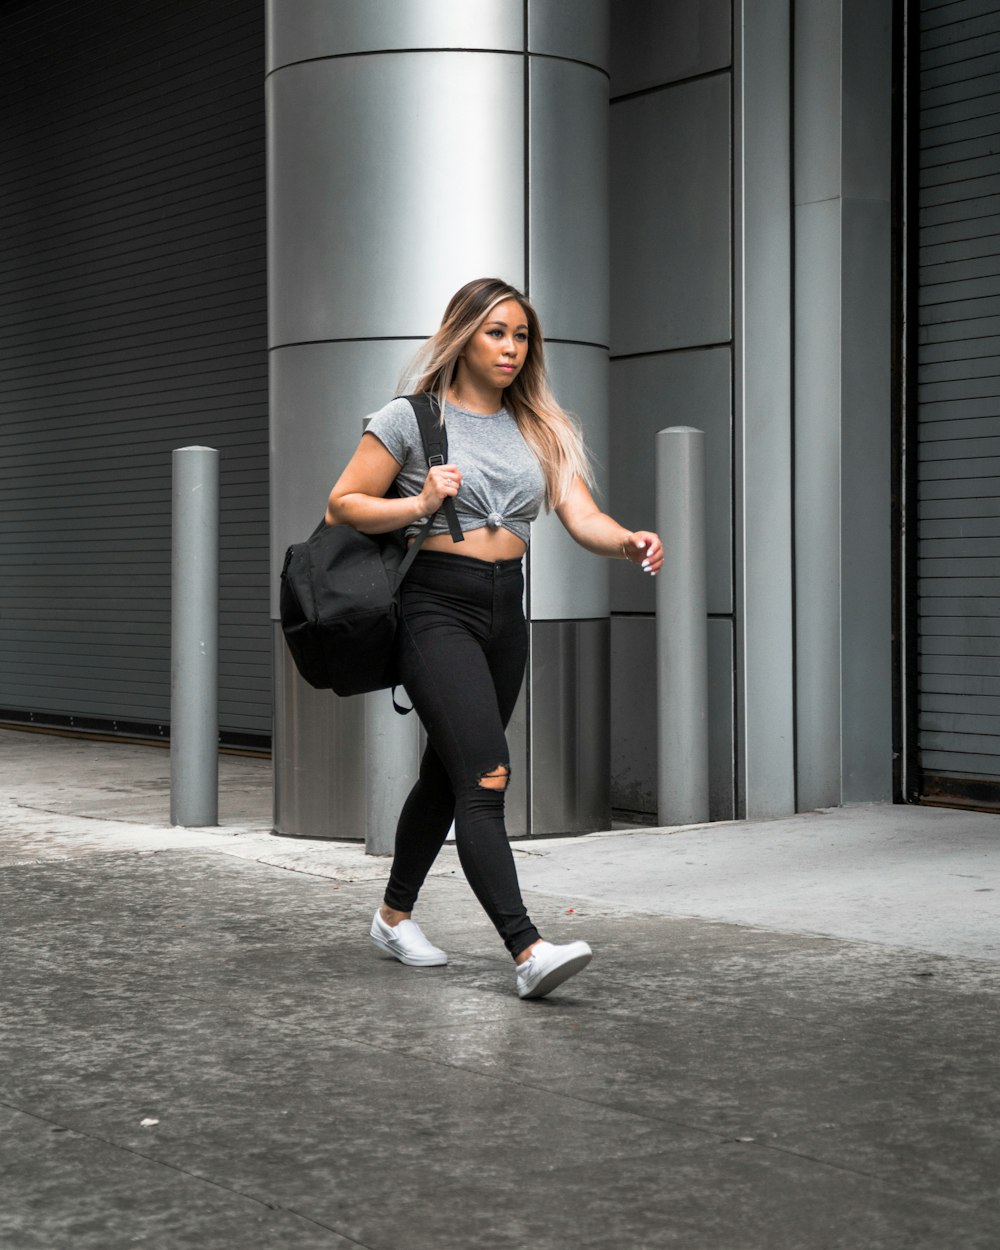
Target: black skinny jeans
463,643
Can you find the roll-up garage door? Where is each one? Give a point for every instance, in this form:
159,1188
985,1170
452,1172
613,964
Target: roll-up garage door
958,425
133,321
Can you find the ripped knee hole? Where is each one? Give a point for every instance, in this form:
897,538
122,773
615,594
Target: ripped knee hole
496,778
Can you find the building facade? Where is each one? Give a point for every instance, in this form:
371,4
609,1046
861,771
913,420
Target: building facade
232,224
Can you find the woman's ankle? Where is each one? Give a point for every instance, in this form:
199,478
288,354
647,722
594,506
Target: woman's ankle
391,916
522,957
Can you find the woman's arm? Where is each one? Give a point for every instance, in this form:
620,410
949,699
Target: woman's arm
602,534
357,499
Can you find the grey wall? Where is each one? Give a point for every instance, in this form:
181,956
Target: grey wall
843,402
132,251
751,285
671,345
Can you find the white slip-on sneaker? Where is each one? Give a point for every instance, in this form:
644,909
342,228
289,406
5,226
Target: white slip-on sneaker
406,942
549,966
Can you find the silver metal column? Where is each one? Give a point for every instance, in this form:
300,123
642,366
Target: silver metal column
371,113
818,357
843,417
194,638
568,269
765,727
681,629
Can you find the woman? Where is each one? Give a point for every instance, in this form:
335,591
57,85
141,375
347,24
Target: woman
463,637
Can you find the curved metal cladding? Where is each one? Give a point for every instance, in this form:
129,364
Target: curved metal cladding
568,245
412,147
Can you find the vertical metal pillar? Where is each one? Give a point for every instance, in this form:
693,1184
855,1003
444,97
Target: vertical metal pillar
843,136
681,629
364,250
194,638
762,381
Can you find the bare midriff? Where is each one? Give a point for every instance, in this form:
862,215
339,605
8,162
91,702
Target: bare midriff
480,544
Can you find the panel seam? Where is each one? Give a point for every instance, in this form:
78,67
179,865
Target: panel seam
667,86
419,338
673,351
347,56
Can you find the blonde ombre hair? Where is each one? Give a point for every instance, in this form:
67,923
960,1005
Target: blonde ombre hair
551,432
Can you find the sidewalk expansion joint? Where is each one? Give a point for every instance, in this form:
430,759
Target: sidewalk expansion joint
173,1167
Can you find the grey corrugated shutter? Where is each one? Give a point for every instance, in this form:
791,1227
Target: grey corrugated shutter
133,321
959,399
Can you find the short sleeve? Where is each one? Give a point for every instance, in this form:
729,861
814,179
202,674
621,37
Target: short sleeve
395,427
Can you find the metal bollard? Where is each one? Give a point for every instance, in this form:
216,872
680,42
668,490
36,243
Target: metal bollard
681,629
194,638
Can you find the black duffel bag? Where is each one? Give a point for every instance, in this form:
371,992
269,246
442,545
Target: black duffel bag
340,589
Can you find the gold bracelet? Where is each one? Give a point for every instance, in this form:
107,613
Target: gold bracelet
624,552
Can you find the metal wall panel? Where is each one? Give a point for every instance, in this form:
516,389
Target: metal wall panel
649,394
653,43
634,716
343,767
969,765
570,726
302,30
950,62
947,14
866,555
568,199
671,166
579,29
319,741
135,322
762,363
818,520
566,581
325,746
818,68
972,116
320,395
842,402
958,394
368,239
954,89
866,108
671,289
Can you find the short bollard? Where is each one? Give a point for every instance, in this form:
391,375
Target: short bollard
194,638
682,629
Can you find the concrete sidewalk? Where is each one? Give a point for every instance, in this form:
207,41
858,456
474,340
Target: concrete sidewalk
787,1037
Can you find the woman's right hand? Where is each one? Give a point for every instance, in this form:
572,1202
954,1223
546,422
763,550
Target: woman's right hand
442,481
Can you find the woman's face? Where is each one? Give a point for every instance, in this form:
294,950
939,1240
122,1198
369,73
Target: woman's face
498,349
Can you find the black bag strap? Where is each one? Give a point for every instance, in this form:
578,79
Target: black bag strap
414,549
434,437
435,440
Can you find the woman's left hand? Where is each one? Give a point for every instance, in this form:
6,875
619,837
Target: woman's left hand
644,548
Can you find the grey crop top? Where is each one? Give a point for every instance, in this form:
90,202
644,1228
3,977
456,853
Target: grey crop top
502,481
